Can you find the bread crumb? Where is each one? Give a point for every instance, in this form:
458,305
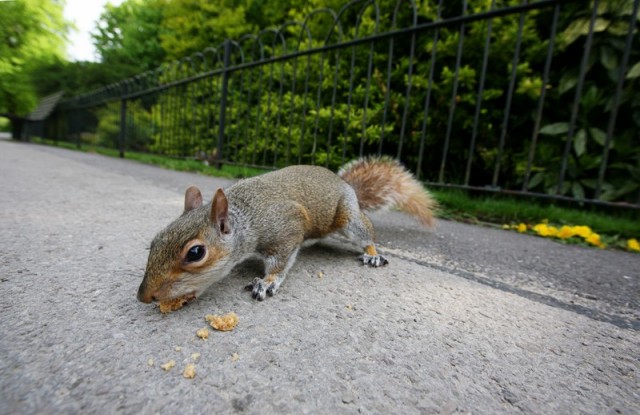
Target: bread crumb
167,366
150,362
223,323
235,357
175,304
320,274
203,333
178,349
189,371
195,356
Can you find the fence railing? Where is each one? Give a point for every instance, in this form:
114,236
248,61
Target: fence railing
521,97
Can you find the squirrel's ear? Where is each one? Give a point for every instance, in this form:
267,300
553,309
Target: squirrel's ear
220,211
192,199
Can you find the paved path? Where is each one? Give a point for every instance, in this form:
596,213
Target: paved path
464,319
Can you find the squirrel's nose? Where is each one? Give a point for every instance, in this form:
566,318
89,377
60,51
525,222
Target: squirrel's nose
144,295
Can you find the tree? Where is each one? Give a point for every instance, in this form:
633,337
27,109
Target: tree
128,35
32,32
193,25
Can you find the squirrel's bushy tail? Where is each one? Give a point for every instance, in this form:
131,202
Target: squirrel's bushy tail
382,182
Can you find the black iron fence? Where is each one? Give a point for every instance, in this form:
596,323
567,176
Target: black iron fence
522,97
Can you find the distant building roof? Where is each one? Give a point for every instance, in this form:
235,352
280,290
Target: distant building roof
46,105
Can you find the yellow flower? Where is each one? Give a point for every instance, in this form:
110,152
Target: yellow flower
594,239
633,245
565,232
522,228
545,230
583,231
541,229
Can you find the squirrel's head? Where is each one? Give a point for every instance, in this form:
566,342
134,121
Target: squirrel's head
191,253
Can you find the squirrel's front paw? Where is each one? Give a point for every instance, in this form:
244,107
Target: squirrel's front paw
374,260
260,287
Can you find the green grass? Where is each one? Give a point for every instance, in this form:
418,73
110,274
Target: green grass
458,205
227,171
455,204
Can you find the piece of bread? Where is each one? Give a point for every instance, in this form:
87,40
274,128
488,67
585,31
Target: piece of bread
189,371
223,323
175,304
167,366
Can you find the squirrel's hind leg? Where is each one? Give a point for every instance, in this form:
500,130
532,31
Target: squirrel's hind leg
371,257
276,269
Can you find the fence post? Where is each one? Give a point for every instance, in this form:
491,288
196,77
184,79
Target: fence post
223,102
123,127
79,126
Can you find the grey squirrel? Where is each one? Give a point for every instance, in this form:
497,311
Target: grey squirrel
270,216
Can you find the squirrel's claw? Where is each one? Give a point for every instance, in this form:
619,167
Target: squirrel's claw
374,260
260,288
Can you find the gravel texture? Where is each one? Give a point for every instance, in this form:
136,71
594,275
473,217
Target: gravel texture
464,319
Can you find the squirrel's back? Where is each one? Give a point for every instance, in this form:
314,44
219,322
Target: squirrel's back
311,186
316,192
378,182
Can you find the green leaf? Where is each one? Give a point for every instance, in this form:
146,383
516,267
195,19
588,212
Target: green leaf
599,136
580,27
555,129
607,196
608,58
580,142
634,72
567,82
618,28
536,180
577,190
590,183
573,32
617,193
591,97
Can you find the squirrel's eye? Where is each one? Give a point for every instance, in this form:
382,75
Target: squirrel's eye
195,253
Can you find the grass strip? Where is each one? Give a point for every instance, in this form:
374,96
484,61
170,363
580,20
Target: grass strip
170,163
458,205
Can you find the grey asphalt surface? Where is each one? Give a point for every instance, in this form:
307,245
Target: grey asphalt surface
465,319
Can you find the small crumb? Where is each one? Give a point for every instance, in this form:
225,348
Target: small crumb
150,362
203,333
178,349
349,307
320,274
195,356
175,304
223,323
235,357
167,366
189,371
